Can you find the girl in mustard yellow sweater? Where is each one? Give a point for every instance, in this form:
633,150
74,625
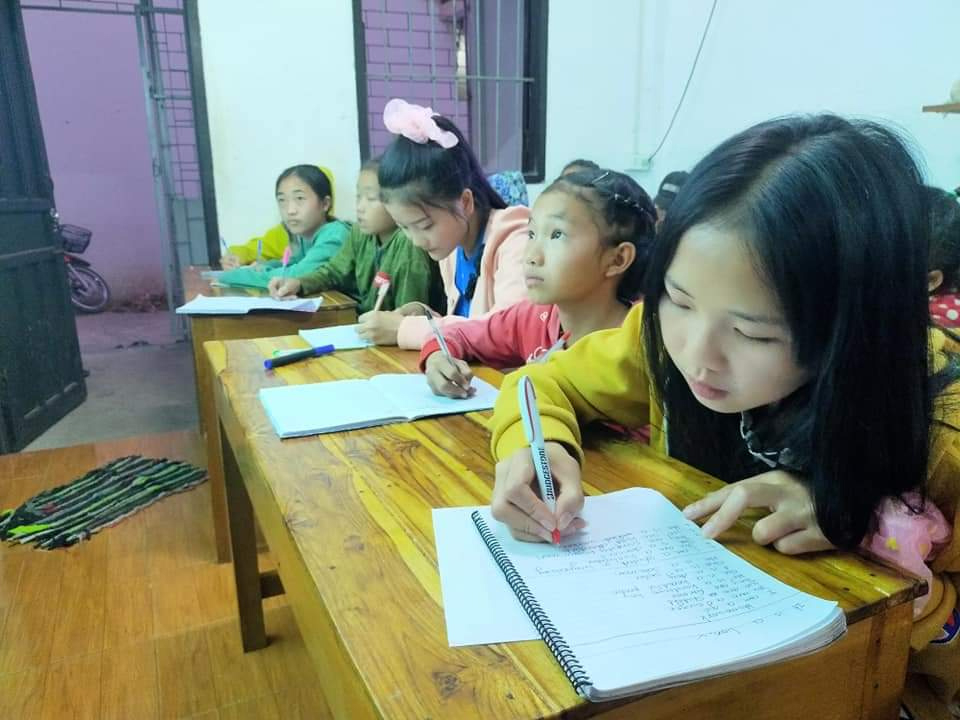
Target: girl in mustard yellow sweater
784,347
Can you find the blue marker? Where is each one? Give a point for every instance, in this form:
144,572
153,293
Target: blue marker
276,362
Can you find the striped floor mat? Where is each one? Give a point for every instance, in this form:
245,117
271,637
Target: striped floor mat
65,515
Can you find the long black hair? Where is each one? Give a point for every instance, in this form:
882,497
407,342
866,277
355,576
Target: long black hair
427,174
313,176
833,213
624,210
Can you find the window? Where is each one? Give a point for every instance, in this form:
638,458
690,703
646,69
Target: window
481,63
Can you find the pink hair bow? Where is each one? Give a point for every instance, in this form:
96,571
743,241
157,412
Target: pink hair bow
415,123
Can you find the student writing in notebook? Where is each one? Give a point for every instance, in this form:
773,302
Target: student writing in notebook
784,346
304,198
432,185
589,236
375,244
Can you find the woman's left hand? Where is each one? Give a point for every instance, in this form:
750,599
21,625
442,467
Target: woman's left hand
380,326
791,525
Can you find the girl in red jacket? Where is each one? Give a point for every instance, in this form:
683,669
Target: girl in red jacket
585,255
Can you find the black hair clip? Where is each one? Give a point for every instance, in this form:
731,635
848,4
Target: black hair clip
624,200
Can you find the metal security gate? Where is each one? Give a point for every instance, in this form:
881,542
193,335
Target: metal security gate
184,195
41,378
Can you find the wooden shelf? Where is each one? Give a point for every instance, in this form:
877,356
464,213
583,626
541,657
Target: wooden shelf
947,108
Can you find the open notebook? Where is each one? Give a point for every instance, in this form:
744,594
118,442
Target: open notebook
638,601
241,305
337,405
342,337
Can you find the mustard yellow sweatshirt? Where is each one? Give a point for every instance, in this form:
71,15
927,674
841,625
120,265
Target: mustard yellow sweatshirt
604,377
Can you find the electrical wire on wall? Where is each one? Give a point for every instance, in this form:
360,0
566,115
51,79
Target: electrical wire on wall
683,95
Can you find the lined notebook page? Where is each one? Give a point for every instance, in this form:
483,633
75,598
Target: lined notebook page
411,393
641,596
301,410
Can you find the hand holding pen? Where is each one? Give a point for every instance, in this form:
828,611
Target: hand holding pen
446,375
553,513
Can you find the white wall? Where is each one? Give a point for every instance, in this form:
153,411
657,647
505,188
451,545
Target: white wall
615,75
592,82
281,90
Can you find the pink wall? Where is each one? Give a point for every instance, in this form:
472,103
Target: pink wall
86,70
388,38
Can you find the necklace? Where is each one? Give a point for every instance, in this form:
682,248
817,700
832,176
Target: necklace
770,458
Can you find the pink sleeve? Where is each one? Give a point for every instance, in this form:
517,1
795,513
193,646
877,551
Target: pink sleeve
414,330
907,539
508,289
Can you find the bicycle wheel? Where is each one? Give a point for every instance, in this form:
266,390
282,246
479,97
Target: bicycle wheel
88,291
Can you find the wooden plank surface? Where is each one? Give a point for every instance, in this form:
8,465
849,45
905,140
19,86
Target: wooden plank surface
151,633
348,518
336,309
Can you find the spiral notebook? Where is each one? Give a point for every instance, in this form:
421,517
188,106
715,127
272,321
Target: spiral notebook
637,602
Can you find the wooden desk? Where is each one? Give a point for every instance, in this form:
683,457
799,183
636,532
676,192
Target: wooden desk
337,309
347,518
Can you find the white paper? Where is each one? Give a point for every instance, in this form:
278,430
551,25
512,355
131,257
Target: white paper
479,606
342,337
314,408
241,305
337,405
411,393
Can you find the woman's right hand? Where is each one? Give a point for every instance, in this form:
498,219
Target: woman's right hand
230,261
516,501
450,379
283,288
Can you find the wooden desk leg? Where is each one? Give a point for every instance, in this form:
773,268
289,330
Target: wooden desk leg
243,541
886,667
218,493
201,330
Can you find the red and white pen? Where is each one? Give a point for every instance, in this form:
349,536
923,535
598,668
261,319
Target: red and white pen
530,415
381,281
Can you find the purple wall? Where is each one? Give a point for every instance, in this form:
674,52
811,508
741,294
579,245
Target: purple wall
86,69
398,41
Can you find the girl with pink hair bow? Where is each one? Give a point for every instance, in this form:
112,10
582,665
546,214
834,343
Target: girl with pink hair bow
434,188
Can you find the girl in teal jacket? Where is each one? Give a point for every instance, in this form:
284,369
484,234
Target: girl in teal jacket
304,197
